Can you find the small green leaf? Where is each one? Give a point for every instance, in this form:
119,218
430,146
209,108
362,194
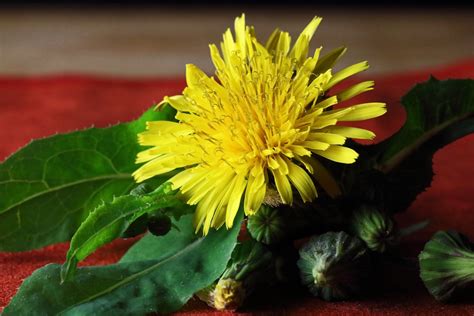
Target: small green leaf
111,219
49,187
161,285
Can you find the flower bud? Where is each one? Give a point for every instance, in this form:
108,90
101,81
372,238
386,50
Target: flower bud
228,294
334,266
376,229
251,265
267,225
139,226
159,224
447,264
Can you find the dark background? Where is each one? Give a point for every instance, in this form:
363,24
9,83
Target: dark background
185,4
158,38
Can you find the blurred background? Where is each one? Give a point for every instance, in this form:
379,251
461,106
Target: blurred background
142,38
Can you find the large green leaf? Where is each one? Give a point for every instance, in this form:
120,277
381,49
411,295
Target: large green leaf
438,113
435,110
48,187
133,287
111,219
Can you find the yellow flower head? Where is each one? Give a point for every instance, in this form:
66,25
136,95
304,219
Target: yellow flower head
258,126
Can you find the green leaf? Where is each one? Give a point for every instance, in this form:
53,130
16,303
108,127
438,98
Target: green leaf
438,113
130,287
110,220
48,187
327,61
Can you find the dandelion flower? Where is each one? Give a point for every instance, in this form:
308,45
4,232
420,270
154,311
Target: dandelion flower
260,125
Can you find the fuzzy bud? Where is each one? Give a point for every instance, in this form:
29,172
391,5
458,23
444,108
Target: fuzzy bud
334,266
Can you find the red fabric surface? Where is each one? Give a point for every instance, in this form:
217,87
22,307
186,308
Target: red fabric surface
40,106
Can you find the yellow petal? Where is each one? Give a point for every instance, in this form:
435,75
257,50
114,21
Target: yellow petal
221,199
187,179
194,76
324,177
255,193
234,199
351,132
146,155
207,207
355,90
216,58
154,139
302,182
339,154
160,165
240,35
326,103
300,49
346,73
283,45
315,145
283,187
364,111
323,122
167,127
299,150
181,150
333,114
228,47
304,162
209,181
282,164
272,40
272,163
220,215
308,119
179,103
205,212
328,138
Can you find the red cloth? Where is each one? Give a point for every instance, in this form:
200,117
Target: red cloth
39,106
